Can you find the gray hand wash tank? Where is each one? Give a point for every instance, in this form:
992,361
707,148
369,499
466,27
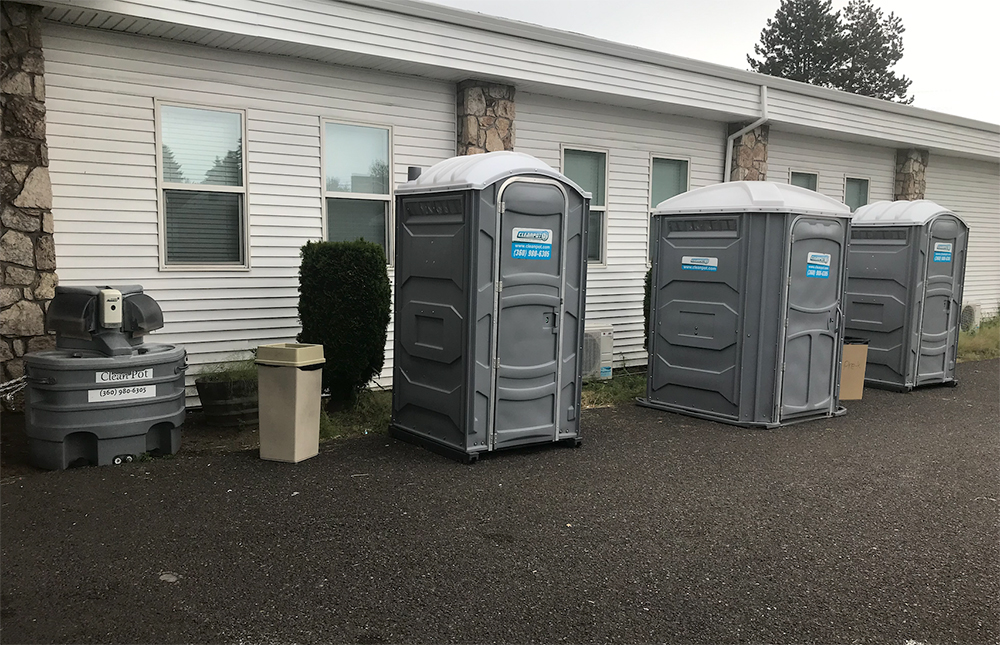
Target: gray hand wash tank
103,396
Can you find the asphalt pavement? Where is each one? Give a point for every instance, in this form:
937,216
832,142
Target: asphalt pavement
882,526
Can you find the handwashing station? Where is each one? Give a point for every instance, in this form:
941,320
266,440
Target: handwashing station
745,304
103,395
489,305
904,293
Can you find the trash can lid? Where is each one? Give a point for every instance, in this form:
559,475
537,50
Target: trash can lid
476,172
899,213
752,197
290,354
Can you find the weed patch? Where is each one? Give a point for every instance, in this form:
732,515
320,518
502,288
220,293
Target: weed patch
982,344
370,413
624,388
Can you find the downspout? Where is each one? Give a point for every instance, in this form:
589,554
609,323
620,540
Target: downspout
739,133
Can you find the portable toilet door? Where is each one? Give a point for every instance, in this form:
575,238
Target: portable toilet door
745,301
907,269
810,353
531,267
490,293
947,238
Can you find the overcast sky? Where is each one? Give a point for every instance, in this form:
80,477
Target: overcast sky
950,46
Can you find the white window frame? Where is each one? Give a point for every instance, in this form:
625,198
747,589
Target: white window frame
653,156
814,173
163,186
390,224
868,197
603,263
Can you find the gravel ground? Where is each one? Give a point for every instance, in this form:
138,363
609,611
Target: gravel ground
878,527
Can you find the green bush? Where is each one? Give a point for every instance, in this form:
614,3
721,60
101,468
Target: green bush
344,299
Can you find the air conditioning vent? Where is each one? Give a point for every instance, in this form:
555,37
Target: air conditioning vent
972,313
598,352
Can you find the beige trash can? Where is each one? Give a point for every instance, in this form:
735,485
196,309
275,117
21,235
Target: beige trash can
290,381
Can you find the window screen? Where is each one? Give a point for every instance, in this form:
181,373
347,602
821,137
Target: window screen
855,193
201,154
358,183
669,178
587,169
804,180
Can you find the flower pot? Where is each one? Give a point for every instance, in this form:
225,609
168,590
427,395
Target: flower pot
228,403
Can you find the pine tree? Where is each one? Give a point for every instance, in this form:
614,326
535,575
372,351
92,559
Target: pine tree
875,45
801,42
228,170
807,41
171,169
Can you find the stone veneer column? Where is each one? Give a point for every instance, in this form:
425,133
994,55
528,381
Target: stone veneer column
749,153
911,168
485,117
27,252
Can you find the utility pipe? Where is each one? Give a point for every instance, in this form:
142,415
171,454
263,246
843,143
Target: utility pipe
739,133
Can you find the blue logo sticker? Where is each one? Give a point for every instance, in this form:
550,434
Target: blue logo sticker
693,263
942,251
605,371
531,244
818,265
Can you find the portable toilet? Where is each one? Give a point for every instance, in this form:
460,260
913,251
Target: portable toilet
745,300
490,266
904,291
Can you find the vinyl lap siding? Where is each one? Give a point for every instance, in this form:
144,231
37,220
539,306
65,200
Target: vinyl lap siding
101,135
972,190
918,129
833,161
614,292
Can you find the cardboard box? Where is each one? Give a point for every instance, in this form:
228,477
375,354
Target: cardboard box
852,369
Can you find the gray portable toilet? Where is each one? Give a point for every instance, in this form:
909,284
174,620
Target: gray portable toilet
489,305
904,291
745,301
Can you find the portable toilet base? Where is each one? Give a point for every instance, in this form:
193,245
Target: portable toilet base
489,306
745,300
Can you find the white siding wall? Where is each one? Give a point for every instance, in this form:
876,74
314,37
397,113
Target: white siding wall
972,190
833,161
101,135
544,123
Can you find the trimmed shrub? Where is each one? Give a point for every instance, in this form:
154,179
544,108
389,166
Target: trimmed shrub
344,300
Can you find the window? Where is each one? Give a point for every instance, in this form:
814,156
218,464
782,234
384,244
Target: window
804,180
357,183
667,178
203,197
588,169
855,192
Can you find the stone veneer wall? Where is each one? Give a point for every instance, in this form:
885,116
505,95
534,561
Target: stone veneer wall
485,117
27,251
749,153
911,169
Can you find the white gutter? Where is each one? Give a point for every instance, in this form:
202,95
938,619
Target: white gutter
727,172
